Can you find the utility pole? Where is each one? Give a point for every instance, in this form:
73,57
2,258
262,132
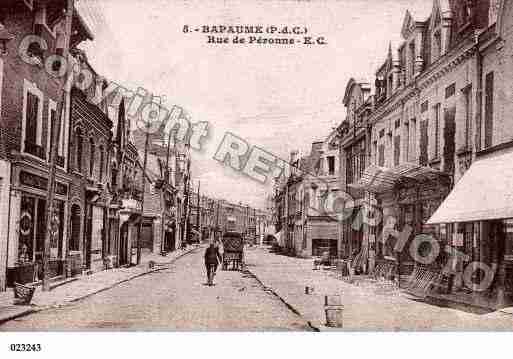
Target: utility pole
198,224
146,142
51,219
164,188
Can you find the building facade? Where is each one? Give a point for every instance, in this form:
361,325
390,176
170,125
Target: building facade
437,109
30,94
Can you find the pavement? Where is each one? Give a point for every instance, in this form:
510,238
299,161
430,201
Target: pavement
85,286
368,306
175,298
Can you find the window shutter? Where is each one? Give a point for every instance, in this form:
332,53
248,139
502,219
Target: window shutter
31,118
423,143
397,150
488,109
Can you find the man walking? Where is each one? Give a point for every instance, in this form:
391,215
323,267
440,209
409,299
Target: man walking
212,258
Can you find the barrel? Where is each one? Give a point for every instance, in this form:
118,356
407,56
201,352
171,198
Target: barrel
333,309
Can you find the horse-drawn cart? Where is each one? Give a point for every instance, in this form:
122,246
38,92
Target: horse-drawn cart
233,251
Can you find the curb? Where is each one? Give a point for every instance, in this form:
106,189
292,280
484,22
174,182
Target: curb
287,304
18,315
74,300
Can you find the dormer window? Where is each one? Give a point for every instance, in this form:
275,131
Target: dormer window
437,45
465,14
412,59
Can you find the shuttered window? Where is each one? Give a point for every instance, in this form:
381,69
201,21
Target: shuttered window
31,118
423,143
488,109
449,139
381,160
397,150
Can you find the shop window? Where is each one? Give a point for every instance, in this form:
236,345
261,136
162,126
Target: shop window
33,231
74,243
508,245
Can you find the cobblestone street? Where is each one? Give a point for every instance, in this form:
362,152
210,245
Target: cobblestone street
172,299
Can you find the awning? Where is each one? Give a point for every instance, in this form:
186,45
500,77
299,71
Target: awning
484,192
381,179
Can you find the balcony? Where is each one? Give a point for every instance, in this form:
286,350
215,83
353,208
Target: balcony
35,150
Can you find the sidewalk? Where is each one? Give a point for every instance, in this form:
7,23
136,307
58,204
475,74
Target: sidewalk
85,286
366,306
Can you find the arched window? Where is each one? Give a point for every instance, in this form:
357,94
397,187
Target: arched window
79,149
92,149
74,242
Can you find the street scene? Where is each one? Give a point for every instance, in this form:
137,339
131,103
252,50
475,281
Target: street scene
275,166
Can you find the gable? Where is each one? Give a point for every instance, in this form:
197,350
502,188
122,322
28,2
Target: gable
408,25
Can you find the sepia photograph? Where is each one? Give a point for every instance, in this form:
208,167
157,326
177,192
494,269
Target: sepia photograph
291,166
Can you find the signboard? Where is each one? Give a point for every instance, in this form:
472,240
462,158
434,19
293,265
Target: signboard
457,239
32,180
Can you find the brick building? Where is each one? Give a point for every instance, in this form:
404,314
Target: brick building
29,104
437,111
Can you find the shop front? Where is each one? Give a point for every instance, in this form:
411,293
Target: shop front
404,197
27,241
478,218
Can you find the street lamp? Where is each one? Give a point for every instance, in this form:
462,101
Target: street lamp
5,37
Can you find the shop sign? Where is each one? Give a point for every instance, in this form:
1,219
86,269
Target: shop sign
457,239
32,180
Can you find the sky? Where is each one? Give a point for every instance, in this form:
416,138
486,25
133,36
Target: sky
276,97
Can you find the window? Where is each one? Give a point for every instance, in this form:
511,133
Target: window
423,143
32,121
92,150
381,155
413,138
437,45
488,109
436,130
74,243
33,229
102,162
450,90
397,150
52,116
331,165
79,140
467,101
424,106
355,162
412,59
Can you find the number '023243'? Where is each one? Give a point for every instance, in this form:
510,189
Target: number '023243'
25,347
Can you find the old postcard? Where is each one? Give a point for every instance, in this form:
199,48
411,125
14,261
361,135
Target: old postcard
265,166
